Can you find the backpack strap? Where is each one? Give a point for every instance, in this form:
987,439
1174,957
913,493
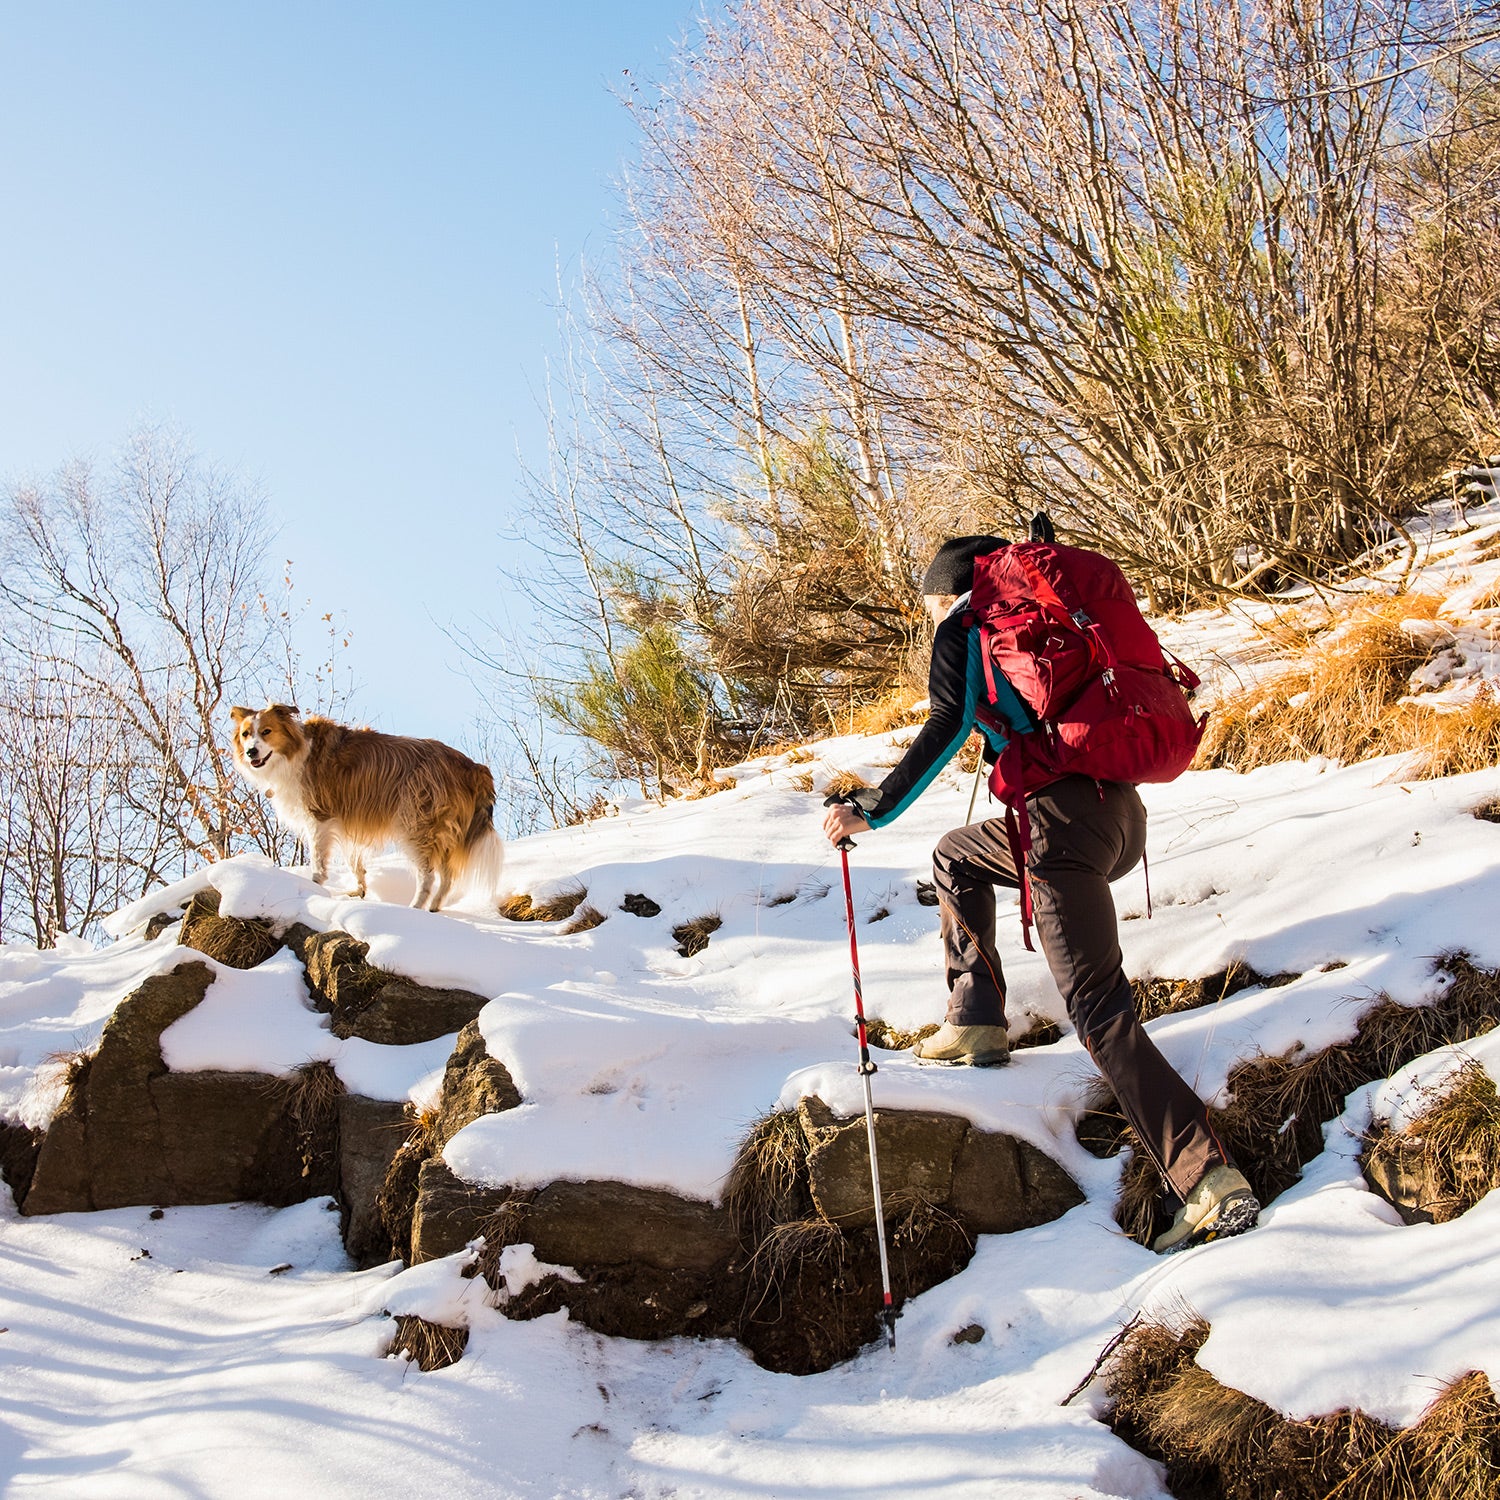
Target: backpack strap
1018,835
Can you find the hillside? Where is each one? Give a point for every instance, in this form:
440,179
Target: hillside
233,1350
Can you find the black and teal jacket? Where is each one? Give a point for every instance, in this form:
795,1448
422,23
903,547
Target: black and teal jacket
956,689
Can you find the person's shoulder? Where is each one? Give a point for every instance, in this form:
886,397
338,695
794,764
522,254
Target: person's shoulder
954,628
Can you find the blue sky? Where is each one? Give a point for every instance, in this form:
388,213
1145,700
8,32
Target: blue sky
321,240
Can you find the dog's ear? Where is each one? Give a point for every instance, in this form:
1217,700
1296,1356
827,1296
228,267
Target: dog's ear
289,709
239,715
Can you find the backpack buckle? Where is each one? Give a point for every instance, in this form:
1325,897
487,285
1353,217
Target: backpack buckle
1081,620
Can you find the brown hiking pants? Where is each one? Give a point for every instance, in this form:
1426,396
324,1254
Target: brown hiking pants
1084,834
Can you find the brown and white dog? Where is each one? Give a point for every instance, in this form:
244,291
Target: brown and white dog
361,789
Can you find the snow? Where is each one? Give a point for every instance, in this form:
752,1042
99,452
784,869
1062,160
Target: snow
241,1356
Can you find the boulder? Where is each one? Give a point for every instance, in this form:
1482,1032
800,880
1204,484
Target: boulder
364,1001
592,1224
1400,1172
19,1146
404,1012
1001,1184
370,1132
449,1212
917,1149
120,1161
474,1084
992,1181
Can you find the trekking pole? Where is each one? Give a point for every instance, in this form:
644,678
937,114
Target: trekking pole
866,1068
973,795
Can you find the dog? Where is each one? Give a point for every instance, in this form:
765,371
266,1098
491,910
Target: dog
333,784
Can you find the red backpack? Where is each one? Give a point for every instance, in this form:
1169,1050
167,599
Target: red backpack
1062,625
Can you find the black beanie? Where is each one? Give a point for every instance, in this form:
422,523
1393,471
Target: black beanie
952,570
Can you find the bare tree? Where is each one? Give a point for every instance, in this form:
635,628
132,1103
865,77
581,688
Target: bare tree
133,609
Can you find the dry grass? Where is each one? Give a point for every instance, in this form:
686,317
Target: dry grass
892,1038
894,711
1274,1121
1340,702
557,908
311,1094
500,1230
1456,1141
801,782
585,919
238,942
1218,1442
692,936
969,753
1489,811
841,783
1165,997
71,1070
768,1183
429,1346
1456,741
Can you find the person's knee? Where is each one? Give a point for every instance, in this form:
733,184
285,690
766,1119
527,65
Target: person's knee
944,857
1096,1015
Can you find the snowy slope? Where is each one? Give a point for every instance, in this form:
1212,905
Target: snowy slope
194,1370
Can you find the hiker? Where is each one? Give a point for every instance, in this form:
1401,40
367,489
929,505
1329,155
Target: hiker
1083,834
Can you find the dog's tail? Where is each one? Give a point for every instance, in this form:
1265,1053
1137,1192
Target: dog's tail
483,855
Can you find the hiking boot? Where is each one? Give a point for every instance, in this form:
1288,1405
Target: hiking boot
977,1046
1221,1205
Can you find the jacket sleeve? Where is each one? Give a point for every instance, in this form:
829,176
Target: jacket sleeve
955,681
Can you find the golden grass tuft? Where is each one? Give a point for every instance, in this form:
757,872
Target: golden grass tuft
1488,811
429,1346
1166,997
72,1071
841,783
1341,702
522,908
1217,1441
893,1038
311,1095
768,1183
1455,741
692,936
1456,1140
241,943
895,711
585,919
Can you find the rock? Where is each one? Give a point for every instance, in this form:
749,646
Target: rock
130,1132
474,1084
640,906
917,1150
239,942
160,922
586,1225
403,1013
1001,1184
591,1224
1399,1173
970,1333
19,1147
372,1003
339,979
121,1162
225,1137
449,1212
370,1132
